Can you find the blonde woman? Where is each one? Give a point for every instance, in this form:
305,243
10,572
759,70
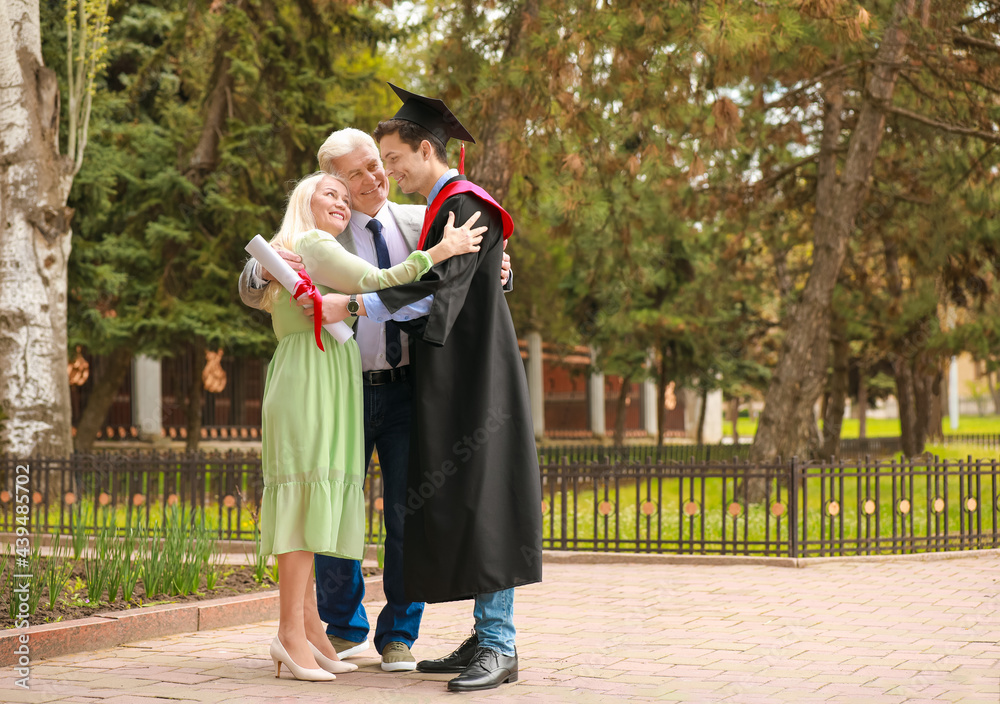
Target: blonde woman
312,418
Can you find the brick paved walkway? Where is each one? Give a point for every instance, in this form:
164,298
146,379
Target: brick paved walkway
843,632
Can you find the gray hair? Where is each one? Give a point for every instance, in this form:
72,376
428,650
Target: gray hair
341,143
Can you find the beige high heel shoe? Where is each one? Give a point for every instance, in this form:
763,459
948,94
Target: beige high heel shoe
336,666
279,655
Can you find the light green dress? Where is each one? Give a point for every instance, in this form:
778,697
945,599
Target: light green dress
312,413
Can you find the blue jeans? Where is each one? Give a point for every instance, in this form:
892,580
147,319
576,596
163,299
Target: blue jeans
340,588
494,614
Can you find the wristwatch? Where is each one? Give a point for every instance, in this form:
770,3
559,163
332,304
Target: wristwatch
352,305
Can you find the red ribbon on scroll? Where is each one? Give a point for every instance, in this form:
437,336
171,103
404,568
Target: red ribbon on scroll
308,288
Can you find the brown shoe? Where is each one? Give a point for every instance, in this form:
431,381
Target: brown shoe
347,648
396,657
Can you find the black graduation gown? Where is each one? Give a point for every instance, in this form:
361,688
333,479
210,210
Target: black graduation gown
472,517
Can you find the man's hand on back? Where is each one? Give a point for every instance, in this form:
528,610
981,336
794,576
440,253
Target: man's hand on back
505,266
293,260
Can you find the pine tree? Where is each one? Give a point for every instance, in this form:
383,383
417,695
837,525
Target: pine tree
211,113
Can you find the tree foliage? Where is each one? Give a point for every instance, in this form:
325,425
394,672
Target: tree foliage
209,114
789,198
690,178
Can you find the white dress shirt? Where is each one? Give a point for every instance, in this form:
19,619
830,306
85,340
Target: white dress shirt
370,333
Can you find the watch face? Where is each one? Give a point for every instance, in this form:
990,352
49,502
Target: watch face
352,306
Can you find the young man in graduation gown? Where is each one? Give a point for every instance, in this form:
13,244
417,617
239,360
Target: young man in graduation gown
472,526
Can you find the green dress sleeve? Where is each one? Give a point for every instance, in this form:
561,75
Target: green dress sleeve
329,264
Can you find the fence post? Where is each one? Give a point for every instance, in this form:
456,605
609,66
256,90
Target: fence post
793,508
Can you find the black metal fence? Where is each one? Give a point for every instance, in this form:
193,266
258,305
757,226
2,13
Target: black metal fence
86,492
649,454
894,507
870,447
621,502
791,509
986,440
853,447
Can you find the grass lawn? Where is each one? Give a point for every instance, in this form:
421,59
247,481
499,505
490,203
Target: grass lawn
887,428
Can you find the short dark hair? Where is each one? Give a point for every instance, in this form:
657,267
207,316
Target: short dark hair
412,134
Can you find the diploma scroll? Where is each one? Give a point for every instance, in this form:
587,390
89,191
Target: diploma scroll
260,250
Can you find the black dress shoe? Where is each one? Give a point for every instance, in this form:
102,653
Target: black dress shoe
487,670
456,661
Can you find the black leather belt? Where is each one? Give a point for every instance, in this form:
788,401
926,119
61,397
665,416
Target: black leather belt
385,376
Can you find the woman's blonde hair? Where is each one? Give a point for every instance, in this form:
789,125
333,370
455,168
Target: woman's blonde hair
298,220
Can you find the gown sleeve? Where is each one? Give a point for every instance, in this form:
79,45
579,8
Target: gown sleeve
448,281
328,263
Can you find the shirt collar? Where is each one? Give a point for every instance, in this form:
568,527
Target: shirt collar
445,177
360,220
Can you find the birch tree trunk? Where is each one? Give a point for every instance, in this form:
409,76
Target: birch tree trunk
34,243
787,424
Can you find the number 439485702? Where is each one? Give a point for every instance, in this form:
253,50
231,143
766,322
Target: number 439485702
22,499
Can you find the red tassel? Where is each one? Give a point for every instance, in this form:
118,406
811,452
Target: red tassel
461,160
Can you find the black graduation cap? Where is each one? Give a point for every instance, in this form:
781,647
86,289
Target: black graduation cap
431,114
